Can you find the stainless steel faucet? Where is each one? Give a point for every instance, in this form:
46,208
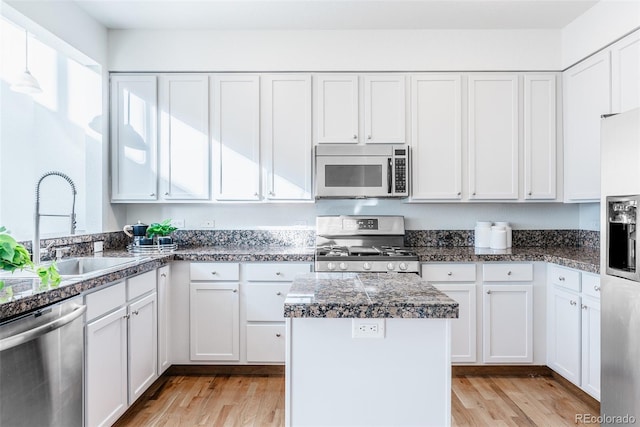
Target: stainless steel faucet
38,215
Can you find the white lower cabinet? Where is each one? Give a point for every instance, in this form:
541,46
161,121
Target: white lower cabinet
457,281
573,327
507,308
121,347
164,356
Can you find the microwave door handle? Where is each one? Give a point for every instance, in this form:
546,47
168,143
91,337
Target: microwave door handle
389,175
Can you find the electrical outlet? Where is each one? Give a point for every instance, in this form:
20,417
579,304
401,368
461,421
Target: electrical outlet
208,224
367,328
178,223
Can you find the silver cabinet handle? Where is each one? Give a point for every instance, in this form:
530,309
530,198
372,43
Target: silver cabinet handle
450,273
271,193
572,302
213,273
584,307
152,194
596,288
530,193
473,194
256,194
135,312
278,335
368,136
488,292
355,136
163,275
278,293
31,334
126,316
561,279
235,291
278,273
459,193
508,273
166,193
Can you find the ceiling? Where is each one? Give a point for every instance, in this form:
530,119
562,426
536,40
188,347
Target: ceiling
335,14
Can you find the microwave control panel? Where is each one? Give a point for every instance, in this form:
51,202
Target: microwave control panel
400,158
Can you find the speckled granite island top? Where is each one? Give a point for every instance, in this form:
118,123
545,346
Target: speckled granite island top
366,295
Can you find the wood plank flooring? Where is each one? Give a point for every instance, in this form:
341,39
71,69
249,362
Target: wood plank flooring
258,401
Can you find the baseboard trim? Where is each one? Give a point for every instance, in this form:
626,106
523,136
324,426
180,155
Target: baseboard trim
502,370
577,391
225,370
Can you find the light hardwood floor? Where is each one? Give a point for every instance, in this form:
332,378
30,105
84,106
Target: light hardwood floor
258,401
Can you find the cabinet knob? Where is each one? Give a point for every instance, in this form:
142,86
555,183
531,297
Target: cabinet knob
459,193
278,335
572,302
278,293
271,193
584,307
355,136
256,194
561,278
450,273
596,288
166,193
152,194
368,136
235,291
278,273
163,275
126,316
488,292
213,273
508,273
136,312
473,194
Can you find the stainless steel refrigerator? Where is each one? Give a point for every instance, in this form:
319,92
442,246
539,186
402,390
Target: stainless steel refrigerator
620,276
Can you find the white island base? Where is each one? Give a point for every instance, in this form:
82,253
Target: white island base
333,379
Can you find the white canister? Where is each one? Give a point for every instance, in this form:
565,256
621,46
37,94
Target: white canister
509,231
482,234
498,238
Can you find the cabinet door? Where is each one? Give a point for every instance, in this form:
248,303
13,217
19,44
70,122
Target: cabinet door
266,343
625,70
134,141
184,136
436,142
563,342
493,137
586,98
540,137
463,329
215,322
337,111
164,358
143,345
106,369
591,346
236,137
507,327
287,136
384,109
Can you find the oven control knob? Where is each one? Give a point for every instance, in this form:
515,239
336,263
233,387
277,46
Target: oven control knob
402,266
366,266
331,266
390,266
343,266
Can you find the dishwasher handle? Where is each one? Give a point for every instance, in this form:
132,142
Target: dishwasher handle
23,337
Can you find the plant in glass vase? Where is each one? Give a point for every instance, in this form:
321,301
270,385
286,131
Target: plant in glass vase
162,232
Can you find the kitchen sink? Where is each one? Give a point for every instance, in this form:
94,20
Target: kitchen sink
86,266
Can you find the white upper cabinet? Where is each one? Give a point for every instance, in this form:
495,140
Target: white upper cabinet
436,139
287,147
337,108
540,136
236,137
184,136
384,109
586,97
134,140
625,70
493,136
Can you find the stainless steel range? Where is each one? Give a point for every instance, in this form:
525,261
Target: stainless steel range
363,243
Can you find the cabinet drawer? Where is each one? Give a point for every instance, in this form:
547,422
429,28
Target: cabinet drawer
449,272
265,301
214,271
591,284
507,272
105,300
564,277
141,284
274,272
265,343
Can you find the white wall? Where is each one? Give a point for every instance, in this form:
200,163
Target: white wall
371,50
605,22
419,216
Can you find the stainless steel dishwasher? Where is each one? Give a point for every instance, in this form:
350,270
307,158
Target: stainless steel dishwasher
41,377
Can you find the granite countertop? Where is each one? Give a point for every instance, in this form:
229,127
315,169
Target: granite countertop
27,298
366,295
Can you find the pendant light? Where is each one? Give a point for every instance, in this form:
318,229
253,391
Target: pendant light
26,83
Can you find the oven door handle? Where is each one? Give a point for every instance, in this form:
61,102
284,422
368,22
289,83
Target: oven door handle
389,175
31,334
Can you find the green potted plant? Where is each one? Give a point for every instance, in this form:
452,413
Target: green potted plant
14,256
161,231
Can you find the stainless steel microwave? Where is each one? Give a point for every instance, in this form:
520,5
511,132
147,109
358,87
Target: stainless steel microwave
362,171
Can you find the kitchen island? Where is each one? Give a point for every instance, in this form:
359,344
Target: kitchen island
367,349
